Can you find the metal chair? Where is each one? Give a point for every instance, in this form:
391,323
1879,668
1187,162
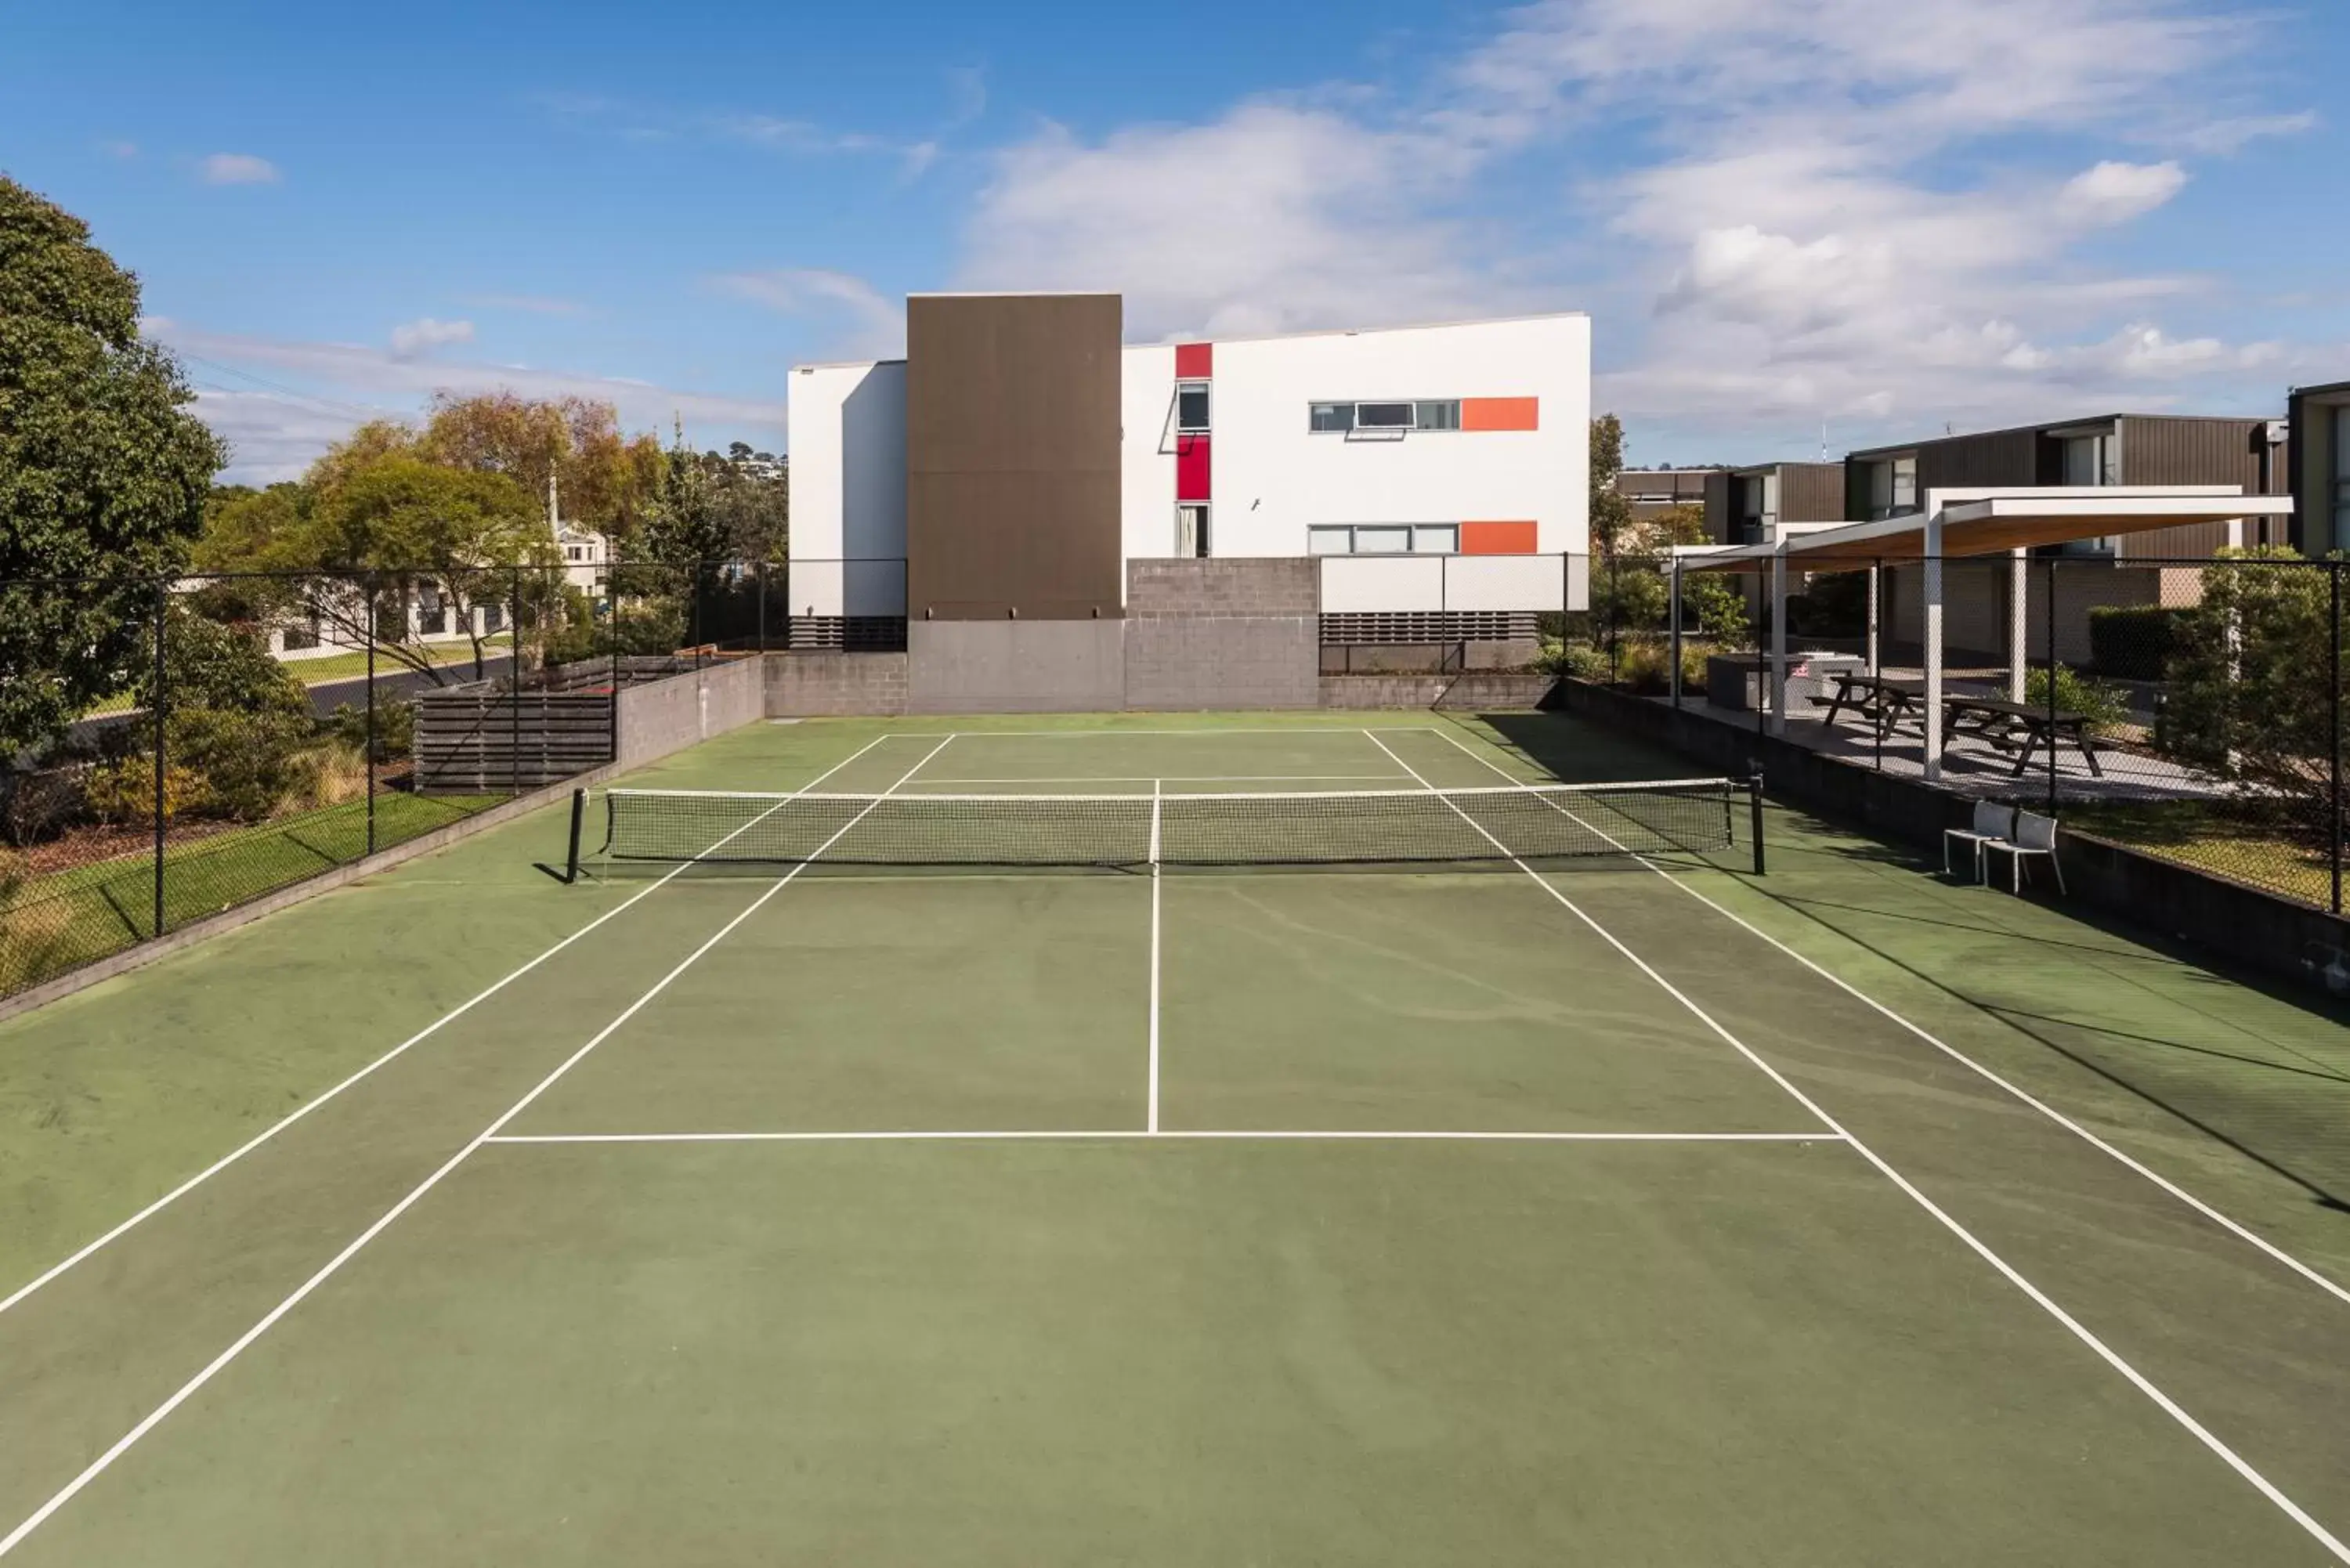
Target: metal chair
2034,835
1993,824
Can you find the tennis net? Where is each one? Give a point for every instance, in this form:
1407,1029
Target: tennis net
1321,829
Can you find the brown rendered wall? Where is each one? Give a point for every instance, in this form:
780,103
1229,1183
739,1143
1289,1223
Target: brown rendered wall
1012,457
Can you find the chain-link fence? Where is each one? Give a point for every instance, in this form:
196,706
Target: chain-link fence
2191,709
172,750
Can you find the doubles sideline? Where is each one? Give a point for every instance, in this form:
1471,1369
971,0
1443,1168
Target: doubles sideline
1981,1249
325,1097
2242,1233
238,1346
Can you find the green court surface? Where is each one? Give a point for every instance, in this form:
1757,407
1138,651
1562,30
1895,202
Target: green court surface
1638,1211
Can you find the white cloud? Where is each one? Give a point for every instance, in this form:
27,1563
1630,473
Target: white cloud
2231,135
237,169
2115,193
1832,210
862,322
1275,217
277,430
423,335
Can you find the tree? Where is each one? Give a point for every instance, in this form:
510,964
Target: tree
603,478
751,500
2250,695
103,471
382,525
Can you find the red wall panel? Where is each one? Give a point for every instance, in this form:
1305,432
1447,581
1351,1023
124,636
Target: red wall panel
1191,468
1501,413
1497,538
1194,361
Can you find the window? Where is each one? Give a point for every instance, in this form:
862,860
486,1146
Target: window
1191,408
1393,414
1384,539
2090,460
1191,529
1892,487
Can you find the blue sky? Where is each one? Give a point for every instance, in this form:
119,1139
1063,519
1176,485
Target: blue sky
1779,212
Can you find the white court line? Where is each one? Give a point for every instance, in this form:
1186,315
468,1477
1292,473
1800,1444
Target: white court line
122,1445
192,1182
2039,1297
2239,1231
1228,1135
1151,1122
1165,778
1273,732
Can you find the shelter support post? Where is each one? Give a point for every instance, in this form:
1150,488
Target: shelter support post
1779,643
1933,636
1875,609
2019,600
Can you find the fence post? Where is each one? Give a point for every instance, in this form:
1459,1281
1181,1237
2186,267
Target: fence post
2050,650
759,586
1876,652
514,682
2333,724
612,633
155,706
368,588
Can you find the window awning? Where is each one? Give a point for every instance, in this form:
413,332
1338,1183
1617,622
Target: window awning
1993,522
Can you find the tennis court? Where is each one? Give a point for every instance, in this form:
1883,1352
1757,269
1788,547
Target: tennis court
1534,1206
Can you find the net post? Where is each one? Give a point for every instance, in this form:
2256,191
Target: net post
578,815
1754,815
1155,798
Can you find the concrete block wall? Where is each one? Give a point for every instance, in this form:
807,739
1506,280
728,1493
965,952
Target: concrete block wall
1016,666
1235,632
835,685
664,716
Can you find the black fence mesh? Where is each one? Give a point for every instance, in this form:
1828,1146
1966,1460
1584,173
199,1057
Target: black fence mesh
172,750
2188,708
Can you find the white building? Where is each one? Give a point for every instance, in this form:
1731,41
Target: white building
1438,470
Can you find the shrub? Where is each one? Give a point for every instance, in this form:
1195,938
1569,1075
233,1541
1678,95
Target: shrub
395,728
2105,705
123,791
1579,660
208,665
1647,666
2133,642
247,761
327,775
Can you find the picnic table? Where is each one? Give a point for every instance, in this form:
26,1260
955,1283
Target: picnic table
2021,728
1881,699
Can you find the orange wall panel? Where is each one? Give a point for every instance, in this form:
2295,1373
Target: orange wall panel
1497,538
1501,413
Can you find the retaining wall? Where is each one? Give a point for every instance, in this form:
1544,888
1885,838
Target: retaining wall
1239,632
1016,666
664,716
835,685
